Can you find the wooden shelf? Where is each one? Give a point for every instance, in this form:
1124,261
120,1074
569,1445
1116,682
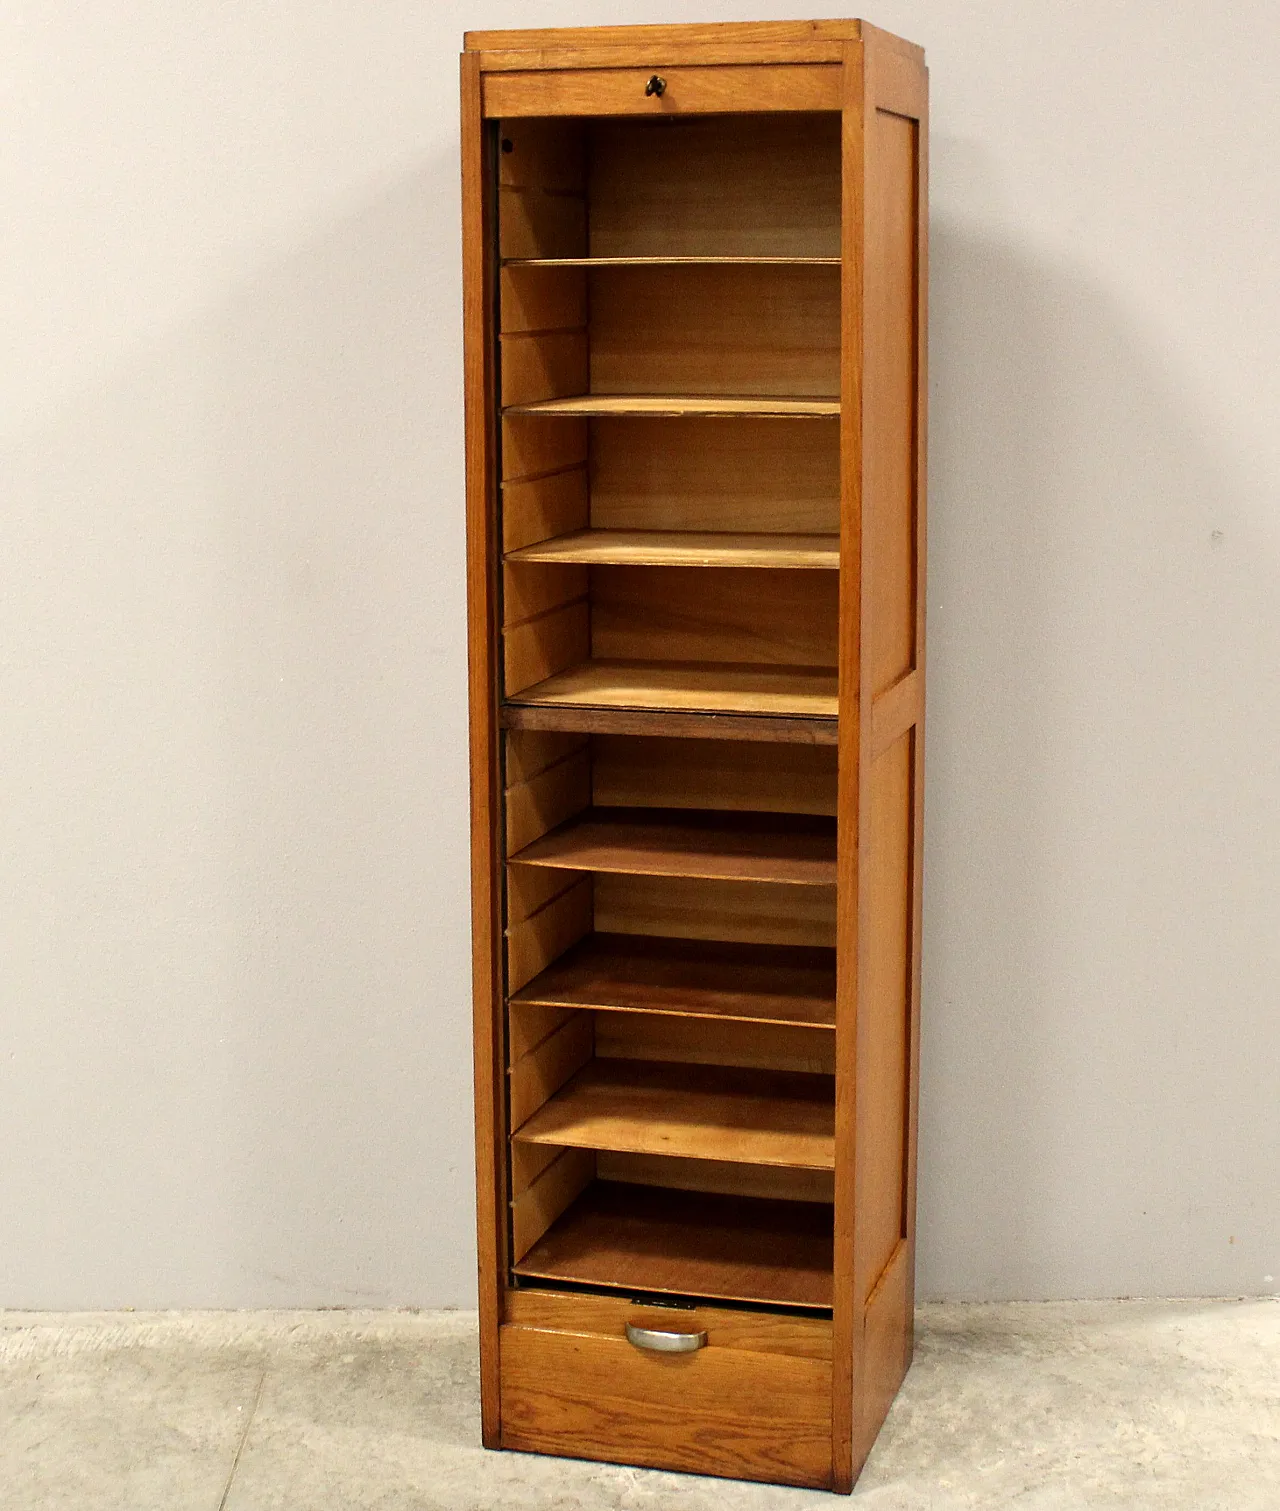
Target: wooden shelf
694,978
789,848
674,405
713,687
670,262
726,1248
750,1117
681,548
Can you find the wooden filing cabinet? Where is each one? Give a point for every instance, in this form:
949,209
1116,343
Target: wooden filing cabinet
695,274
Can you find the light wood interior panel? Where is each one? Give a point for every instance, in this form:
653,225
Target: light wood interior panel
541,647
745,912
721,1176
533,445
543,1070
693,614
535,509
647,1239
687,548
765,847
884,1045
529,1023
542,298
699,1111
702,687
890,396
669,405
537,367
713,774
528,752
757,185
535,943
544,1199
529,590
529,890
718,329
696,978
775,476
706,1041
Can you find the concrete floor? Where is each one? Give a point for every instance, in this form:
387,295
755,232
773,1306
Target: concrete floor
1138,1405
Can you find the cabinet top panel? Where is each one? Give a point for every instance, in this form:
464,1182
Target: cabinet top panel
783,34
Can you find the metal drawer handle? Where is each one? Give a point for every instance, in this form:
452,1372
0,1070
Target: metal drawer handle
656,85
665,1343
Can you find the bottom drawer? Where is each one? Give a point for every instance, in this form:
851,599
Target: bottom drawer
753,1403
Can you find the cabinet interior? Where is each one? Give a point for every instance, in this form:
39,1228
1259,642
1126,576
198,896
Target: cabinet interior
669,379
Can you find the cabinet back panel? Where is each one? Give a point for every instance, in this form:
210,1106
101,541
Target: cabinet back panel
753,185
537,508
776,476
627,772
737,911
716,330
718,1176
704,614
706,1041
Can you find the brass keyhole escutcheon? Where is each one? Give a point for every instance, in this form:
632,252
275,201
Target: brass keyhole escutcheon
656,85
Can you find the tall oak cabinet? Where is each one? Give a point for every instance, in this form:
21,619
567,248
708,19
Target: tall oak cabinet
695,271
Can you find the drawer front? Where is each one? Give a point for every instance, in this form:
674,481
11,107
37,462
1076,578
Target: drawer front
748,1405
686,91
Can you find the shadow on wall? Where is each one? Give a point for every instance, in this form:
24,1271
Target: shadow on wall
241,798
1101,938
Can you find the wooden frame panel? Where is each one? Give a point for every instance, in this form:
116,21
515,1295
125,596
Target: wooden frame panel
573,464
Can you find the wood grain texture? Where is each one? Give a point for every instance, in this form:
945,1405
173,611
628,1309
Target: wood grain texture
722,1177
756,1332
684,1040
527,755
536,222
675,405
530,889
480,390
795,850
544,1199
670,262
535,943
535,509
681,548
696,91
543,369
545,647
746,186
855,734
692,1244
684,35
535,446
744,1415
730,328
698,979
738,474
701,614
541,297
541,1072
714,54
748,912
700,1112
895,711
766,729
809,692
713,774
547,800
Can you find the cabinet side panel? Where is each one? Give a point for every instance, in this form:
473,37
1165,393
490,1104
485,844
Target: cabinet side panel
890,395
482,639
889,861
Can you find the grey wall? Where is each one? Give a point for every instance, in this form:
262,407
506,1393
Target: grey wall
234,1041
